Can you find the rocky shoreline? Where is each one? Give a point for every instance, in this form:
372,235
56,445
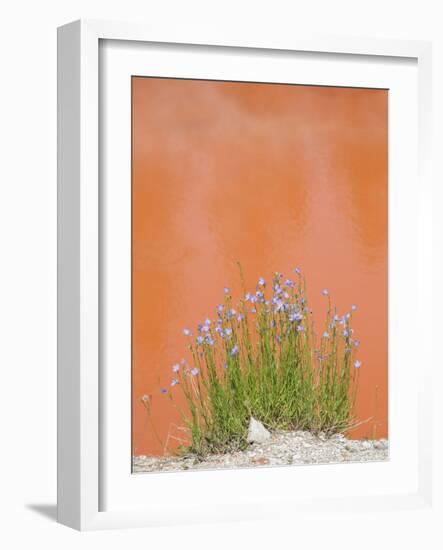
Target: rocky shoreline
280,449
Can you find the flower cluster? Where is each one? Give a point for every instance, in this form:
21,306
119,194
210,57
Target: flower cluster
262,356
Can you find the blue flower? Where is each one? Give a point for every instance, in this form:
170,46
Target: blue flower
226,290
163,390
253,310
300,328
326,334
297,270
210,340
297,316
194,371
208,322
261,282
357,364
356,343
240,318
176,367
220,308
346,333
174,382
187,332
200,339
290,283
228,331
225,366
231,313
204,328
234,351
354,307
325,292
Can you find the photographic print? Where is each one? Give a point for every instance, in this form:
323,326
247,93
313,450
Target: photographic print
259,274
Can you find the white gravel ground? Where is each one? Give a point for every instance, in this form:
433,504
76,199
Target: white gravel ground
281,449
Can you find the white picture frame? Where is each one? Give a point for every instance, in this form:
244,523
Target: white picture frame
80,411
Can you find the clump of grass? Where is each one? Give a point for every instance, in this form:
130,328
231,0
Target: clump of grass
261,357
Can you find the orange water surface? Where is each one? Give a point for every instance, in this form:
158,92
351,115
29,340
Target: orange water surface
273,176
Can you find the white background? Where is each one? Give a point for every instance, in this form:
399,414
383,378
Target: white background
28,267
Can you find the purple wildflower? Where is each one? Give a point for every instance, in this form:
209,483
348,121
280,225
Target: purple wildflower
261,282
187,332
300,328
297,270
208,322
226,290
326,334
204,328
234,351
194,371
290,283
357,364
356,343
176,367
296,316
253,310
325,292
200,339
228,331
219,330
163,390
240,318
354,307
174,382
210,340
220,308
